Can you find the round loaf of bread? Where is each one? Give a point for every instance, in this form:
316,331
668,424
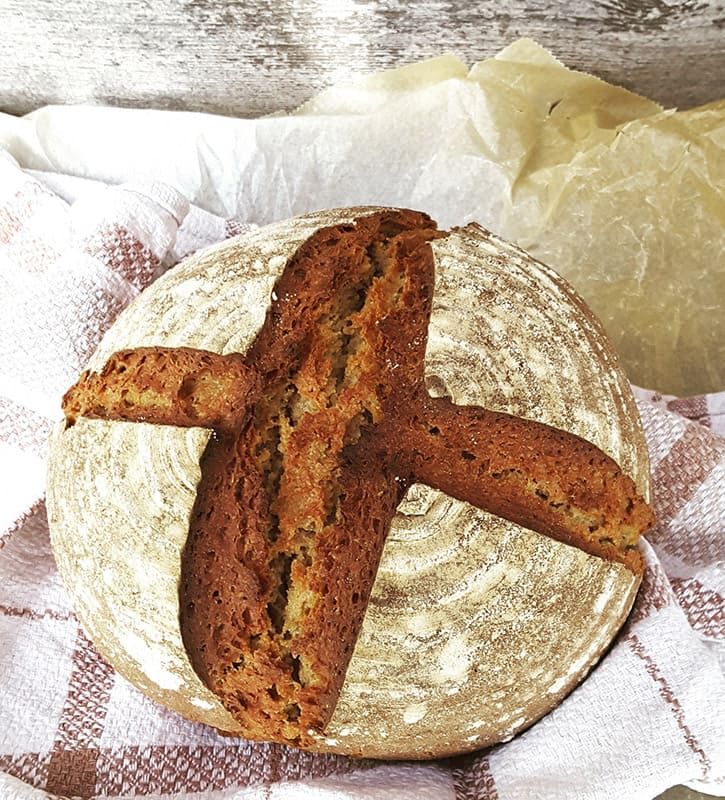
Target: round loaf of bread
475,627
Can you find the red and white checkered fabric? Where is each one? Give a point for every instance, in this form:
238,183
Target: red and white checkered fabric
648,717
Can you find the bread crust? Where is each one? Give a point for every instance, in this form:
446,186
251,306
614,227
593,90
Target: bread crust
166,386
299,485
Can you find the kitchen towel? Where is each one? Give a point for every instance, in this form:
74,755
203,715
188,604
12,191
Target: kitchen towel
72,255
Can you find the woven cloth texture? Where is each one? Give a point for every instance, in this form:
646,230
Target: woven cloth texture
648,717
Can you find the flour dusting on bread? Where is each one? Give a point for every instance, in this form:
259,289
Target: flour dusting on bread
320,428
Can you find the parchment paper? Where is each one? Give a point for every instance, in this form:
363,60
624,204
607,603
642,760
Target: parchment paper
623,198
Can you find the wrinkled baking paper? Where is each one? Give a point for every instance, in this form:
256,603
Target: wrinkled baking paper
623,198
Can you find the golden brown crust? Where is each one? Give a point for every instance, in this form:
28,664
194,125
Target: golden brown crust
298,515
331,425
543,478
168,386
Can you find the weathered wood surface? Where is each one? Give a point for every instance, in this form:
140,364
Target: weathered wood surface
250,58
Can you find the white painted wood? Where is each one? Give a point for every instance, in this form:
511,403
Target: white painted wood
251,58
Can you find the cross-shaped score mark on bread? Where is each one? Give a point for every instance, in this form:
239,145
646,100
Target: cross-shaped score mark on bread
320,428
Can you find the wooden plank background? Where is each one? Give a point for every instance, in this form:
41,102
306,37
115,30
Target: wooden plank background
252,58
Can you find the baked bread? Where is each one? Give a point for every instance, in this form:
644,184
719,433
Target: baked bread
322,425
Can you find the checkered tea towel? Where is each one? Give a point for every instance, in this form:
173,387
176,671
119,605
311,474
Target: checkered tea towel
651,715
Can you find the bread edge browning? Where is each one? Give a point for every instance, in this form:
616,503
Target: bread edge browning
266,561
